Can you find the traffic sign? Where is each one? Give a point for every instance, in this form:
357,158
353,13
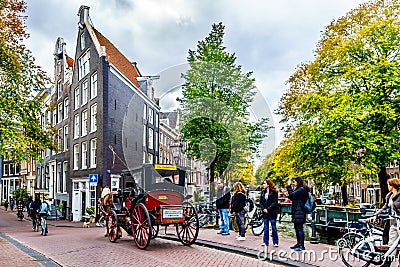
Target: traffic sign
93,178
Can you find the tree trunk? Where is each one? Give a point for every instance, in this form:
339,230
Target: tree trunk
344,195
383,177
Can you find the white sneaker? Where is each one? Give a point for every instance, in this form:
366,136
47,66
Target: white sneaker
237,236
276,245
241,238
263,245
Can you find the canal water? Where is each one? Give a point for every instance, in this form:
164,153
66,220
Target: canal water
285,229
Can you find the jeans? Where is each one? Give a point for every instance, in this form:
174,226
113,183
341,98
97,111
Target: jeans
240,222
298,227
266,231
224,220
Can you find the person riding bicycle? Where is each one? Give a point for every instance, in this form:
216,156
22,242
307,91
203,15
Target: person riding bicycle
393,203
44,211
34,210
20,208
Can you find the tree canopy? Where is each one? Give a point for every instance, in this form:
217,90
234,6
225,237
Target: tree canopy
21,134
215,105
342,109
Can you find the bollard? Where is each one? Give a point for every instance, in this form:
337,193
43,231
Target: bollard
313,239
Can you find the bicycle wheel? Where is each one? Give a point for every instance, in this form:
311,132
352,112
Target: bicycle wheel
347,243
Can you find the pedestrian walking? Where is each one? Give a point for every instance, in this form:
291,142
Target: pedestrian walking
298,194
12,203
269,207
222,203
238,203
393,203
6,204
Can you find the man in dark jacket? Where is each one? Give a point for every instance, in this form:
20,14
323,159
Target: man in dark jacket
222,203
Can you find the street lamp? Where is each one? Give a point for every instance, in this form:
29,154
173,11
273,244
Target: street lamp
176,148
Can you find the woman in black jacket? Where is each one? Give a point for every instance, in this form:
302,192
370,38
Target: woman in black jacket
269,207
237,205
298,196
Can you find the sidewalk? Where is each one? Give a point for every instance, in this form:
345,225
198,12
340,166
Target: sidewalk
315,254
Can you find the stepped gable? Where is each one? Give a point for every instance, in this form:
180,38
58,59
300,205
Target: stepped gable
115,57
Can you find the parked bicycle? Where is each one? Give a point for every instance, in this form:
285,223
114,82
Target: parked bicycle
364,246
256,221
207,216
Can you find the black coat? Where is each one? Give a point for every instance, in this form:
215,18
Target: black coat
223,201
298,197
238,202
271,204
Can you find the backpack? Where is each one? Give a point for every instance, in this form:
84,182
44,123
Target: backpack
44,208
310,203
249,206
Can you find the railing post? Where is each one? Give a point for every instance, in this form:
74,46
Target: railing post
313,239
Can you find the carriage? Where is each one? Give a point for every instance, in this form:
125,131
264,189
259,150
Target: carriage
151,196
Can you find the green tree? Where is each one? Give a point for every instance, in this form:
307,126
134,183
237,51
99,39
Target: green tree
21,134
20,194
344,106
215,108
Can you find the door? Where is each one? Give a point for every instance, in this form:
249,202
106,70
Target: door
76,207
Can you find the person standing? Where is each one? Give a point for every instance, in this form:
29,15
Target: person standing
269,207
12,203
298,196
238,203
392,202
6,204
222,203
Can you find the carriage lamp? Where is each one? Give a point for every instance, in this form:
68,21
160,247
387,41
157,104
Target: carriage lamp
176,148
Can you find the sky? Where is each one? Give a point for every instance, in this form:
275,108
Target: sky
269,38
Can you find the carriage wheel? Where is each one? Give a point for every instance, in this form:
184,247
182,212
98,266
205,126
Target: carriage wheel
112,226
155,229
141,226
189,229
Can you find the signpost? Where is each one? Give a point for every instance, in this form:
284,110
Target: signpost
93,179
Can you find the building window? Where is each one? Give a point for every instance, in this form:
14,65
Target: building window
64,177
84,122
93,86
54,117
59,177
82,40
66,108
151,138
66,143
59,90
76,98
83,63
59,139
151,116
84,155
93,122
145,111
60,112
84,92
76,157
93,144
76,126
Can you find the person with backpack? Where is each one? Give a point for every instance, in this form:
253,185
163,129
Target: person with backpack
222,203
237,205
298,195
44,212
269,207
6,204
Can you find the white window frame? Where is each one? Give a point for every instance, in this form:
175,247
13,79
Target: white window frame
93,86
84,155
77,100
93,118
76,126
84,65
66,141
60,112
59,90
84,122
84,92
151,139
93,150
82,41
76,156
66,104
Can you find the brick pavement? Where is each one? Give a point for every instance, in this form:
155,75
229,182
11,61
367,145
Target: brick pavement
13,256
315,254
